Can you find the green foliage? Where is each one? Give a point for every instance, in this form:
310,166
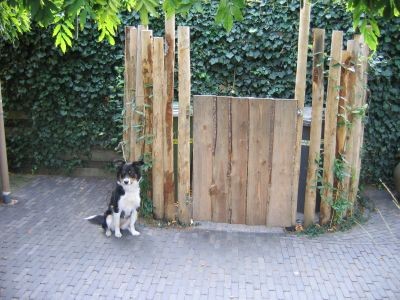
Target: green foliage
75,100
314,230
106,14
367,13
146,204
13,21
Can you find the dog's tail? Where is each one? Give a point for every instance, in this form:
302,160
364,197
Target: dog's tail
96,219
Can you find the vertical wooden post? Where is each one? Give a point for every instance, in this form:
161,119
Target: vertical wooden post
360,57
341,130
158,126
184,125
330,125
147,69
169,185
129,134
300,92
5,179
348,145
316,125
137,118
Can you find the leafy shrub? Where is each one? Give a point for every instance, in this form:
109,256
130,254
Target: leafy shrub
75,100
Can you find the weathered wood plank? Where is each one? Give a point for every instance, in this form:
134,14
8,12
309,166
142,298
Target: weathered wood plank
169,185
316,125
147,70
184,207
330,125
137,119
203,137
158,126
280,206
341,130
300,94
261,116
221,163
129,89
239,159
360,55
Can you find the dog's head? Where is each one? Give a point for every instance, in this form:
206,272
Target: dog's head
128,173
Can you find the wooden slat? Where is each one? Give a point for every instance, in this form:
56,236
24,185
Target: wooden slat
239,159
330,125
261,116
221,163
341,130
203,137
158,126
184,213
280,206
348,151
316,125
137,120
147,70
169,185
129,135
300,94
360,54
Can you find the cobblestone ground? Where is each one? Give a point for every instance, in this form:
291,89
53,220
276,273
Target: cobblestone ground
48,251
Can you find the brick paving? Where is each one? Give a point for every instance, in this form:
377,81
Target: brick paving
47,251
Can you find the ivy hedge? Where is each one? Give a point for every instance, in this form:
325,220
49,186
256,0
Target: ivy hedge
74,101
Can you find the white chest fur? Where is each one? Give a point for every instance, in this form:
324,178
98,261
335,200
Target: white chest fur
131,200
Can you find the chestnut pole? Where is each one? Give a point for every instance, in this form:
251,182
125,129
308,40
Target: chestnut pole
5,180
300,94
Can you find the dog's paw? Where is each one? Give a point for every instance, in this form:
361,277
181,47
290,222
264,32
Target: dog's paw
118,234
134,232
108,233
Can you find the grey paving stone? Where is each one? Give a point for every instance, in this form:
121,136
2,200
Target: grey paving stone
48,251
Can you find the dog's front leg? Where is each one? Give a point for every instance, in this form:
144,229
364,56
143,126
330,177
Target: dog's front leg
133,221
117,219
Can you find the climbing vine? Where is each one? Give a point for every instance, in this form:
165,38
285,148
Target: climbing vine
73,102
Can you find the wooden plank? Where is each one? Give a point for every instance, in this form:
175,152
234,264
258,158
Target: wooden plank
316,125
284,138
341,187
239,159
137,119
169,184
129,89
361,53
203,137
221,163
300,93
261,117
184,211
341,130
158,126
147,70
330,125
351,79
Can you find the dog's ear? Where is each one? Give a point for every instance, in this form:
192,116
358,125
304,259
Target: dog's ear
138,163
118,163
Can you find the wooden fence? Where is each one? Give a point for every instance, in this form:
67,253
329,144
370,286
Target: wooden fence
343,129
243,155
148,120
245,150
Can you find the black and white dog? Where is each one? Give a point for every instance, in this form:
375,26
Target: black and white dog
125,200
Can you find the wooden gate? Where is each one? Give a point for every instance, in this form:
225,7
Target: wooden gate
243,156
